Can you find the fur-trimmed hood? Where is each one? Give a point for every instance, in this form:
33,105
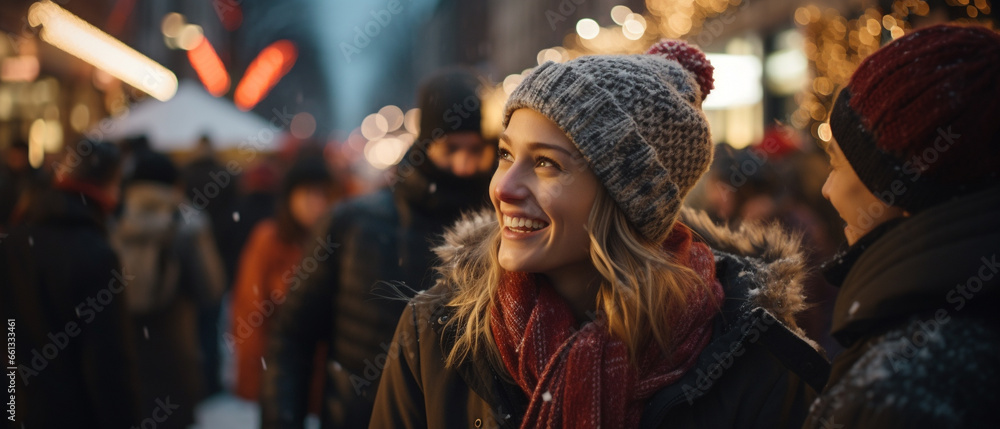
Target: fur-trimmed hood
776,255
778,266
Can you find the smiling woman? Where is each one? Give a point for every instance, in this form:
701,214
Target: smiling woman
541,205
582,300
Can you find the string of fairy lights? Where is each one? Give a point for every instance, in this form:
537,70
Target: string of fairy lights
836,44
835,41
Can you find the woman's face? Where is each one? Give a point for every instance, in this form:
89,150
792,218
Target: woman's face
308,203
860,209
542,191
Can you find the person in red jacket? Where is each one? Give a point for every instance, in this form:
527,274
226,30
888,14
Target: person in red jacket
272,255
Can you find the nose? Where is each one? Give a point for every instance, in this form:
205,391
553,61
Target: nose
463,164
826,187
509,184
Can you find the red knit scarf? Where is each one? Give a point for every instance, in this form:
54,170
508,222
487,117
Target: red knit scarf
583,378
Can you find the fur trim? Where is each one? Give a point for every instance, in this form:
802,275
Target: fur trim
463,242
781,267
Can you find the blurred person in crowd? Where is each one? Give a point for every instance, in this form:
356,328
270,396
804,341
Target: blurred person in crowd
272,254
132,147
62,284
914,165
581,300
741,185
377,245
17,176
174,269
256,200
210,187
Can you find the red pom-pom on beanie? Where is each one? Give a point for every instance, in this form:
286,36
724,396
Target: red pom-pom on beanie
691,58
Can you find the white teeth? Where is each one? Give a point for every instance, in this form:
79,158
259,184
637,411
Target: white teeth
522,223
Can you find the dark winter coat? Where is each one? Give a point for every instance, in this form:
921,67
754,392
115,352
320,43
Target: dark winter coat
757,372
346,291
917,312
61,283
210,187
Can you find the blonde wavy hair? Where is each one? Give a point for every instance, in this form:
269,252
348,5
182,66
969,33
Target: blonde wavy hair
642,285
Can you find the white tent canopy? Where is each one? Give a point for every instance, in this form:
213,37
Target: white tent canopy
178,123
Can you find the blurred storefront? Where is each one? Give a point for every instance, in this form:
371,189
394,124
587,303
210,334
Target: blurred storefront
334,65
47,97
776,60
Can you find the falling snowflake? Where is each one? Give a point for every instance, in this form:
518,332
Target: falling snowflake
236,216
432,188
263,364
546,396
145,332
31,241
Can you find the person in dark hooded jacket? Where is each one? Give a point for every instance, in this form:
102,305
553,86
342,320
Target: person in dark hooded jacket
63,288
584,298
914,166
346,289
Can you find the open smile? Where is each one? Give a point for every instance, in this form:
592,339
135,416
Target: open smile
522,227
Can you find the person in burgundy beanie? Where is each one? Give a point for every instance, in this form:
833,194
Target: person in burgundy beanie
914,166
587,296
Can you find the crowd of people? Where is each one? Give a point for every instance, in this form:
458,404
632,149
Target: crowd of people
602,263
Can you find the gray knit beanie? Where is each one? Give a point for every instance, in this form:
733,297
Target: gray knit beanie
637,119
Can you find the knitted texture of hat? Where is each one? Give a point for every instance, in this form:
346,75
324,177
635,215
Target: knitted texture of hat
637,119
918,121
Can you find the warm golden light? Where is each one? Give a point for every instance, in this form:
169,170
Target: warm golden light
82,40
587,28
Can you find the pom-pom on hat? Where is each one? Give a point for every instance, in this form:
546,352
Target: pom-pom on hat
918,119
638,121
